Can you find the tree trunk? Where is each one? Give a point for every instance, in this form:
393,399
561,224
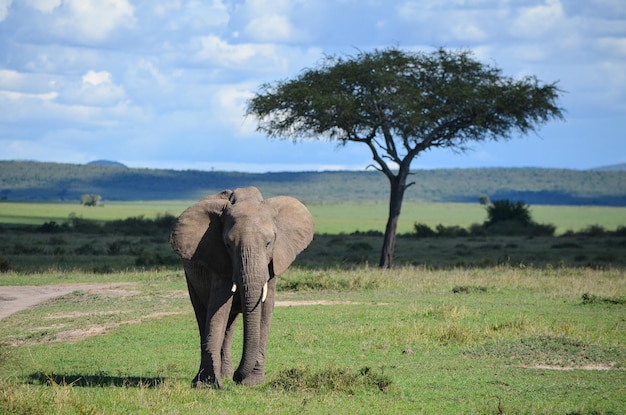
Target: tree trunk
395,204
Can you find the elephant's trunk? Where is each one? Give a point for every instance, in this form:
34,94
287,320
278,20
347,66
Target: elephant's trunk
254,276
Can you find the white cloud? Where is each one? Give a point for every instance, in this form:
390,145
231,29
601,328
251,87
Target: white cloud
192,15
223,54
94,20
97,78
230,103
4,8
469,32
12,80
96,89
272,20
44,6
271,28
533,22
156,74
16,96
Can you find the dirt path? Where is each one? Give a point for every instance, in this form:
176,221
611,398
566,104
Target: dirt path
17,298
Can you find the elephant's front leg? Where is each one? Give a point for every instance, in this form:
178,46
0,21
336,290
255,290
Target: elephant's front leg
227,360
257,376
218,315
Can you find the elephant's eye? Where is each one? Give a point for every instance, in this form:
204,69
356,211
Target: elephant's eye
267,245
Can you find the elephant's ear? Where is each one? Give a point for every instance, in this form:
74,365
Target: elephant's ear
197,234
294,230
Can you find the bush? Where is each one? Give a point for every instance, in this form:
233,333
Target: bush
515,228
52,227
506,211
330,380
513,218
620,231
87,249
5,264
90,200
593,230
371,232
423,231
139,225
146,259
451,231
454,231
78,224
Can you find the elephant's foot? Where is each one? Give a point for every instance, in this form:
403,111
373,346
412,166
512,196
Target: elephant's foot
254,378
205,380
227,371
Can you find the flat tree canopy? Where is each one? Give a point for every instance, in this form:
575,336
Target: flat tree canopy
401,103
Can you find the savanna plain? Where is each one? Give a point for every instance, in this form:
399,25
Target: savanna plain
461,325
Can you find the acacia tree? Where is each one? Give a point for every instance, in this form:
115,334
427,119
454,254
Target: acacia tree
400,104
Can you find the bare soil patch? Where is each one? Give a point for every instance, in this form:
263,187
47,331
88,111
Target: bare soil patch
18,298
568,368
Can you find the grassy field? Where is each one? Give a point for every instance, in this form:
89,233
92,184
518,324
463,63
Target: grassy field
465,325
467,341
330,218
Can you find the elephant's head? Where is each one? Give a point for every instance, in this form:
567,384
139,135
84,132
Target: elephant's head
246,240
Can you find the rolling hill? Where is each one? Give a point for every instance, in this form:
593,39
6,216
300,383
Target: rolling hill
37,181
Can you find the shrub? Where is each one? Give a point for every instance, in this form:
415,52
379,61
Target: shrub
593,230
139,225
451,231
360,246
594,299
5,264
90,200
78,224
52,227
21,249
423,231
371,232
620,231
56,240
114,248
507,211
147,259
87,249
330,380
511,228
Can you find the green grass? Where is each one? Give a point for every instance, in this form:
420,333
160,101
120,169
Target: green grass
461,325
331,218
409,342
39,213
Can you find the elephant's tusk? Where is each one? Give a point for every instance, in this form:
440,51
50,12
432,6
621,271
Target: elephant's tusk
264,296
234,288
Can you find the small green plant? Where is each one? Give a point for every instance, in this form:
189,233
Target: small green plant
330,380
596,299
469,289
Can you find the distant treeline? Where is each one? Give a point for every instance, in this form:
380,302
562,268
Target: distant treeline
35,181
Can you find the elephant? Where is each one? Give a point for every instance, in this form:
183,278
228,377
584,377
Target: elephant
233,245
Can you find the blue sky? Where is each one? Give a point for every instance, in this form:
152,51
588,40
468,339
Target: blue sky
164,83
